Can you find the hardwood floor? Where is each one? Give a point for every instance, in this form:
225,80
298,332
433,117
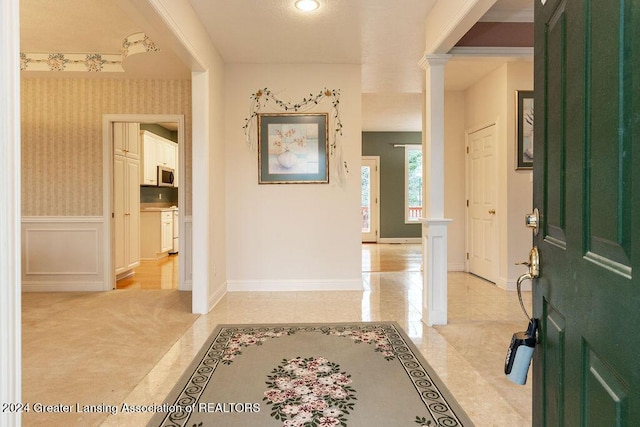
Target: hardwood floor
377,257
163,273
160,274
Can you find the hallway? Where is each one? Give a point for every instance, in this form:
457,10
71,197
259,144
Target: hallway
114,347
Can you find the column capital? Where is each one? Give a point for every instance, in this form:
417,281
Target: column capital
433,59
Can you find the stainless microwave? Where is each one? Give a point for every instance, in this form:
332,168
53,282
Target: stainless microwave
166,177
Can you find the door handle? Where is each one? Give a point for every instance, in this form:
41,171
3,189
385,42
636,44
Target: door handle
533,273
533,264
492,211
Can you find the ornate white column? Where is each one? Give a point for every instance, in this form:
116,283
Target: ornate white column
434,224
10,295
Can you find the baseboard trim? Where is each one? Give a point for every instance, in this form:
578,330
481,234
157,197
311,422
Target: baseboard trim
216,296
456,266
125,274
511,285
294,285
400,240
64,286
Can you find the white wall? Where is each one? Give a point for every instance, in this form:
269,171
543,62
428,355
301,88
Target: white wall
493,100
454,178
292,236
520,188
208,173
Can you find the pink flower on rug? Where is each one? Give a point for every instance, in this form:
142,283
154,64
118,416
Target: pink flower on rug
375,336
332,412
284,383
328,422
275,396
246,339
290,409
304,417
320,394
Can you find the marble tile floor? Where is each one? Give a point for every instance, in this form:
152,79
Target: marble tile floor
131,346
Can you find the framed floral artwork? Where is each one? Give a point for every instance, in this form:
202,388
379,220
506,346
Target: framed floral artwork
524,129
293,148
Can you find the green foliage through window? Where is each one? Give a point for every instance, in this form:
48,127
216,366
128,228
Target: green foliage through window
413,190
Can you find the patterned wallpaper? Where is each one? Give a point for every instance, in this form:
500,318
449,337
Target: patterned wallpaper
62,137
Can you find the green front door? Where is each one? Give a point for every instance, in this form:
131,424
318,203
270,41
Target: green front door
587,188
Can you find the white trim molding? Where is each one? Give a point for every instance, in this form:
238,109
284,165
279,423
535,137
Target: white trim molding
10,295
396,240
511,284
453,266
294,285
107,196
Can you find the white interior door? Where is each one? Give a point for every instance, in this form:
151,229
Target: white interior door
482,218
370,211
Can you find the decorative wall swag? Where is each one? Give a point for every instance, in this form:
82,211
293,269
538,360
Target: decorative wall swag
88,62
264,97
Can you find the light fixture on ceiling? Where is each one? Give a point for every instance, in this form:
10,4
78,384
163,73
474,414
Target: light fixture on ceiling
307,5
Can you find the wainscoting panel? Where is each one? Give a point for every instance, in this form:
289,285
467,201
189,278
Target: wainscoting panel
62,254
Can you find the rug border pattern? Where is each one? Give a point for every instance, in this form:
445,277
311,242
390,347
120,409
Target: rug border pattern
432,391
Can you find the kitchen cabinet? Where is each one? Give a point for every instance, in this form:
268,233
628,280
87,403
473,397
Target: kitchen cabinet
156,225
126,140
157,151
126,199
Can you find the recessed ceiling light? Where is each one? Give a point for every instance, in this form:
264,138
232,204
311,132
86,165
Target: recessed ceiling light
307,5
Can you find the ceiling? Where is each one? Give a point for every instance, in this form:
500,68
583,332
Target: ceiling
387,40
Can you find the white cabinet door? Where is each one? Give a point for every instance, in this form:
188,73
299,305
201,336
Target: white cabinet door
126,213
157,151
166,151
149,172
133,140
167,232
157,229
126,139
119,201
132,216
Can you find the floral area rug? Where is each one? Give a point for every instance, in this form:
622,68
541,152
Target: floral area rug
309,375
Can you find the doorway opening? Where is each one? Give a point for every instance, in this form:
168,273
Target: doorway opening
143,208
370,199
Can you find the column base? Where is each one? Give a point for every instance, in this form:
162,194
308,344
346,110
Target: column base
434,260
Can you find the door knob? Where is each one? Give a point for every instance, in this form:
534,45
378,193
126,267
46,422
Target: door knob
532,220
534,272
492,211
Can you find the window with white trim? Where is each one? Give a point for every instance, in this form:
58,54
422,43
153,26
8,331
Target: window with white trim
413,183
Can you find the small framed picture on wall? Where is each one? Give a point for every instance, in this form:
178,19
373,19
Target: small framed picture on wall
524,129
